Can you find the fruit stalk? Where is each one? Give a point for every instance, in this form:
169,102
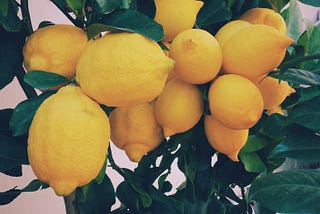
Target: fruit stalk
69,202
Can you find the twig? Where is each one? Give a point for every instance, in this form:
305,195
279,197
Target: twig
114,165
27,89
26,16
69,203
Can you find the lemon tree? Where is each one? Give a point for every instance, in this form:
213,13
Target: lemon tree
223,91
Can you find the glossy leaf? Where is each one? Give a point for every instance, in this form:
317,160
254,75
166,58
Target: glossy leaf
293,20
295,191
10,195
253,144
308,93
24,112
299,76
4,6
315,3
300,144
44,80
10,55
313,48
110,5
130,21
274,126
11,22
99,197
252,162
75,4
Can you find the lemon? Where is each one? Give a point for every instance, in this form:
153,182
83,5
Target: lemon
227,30
254,50
225,140
55,48
235,101
123,69
176,16
197,56
273,91
276,110
265,16
135,130
179,107
68,140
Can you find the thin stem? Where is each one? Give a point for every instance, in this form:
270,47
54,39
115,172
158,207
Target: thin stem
27,89
26,16
113,164
69,203
75,22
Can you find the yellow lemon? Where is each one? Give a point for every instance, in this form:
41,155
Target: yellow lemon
176,16
276,110
235,101
224,140
265,16
197,56
254,51
273,91
55,48
68,140
123,69
135,130
179,107
227,30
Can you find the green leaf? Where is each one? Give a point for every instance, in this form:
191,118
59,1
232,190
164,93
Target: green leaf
212,12
130,21
45,24
252,162
101,174
294,20
108,6
306,114
277,5
44,80
4,6
274,126
253,144
295,191
299,76
10,195
11,22
308,93
10,55
300,144
14,172
75,4
128,196
24,112
13,150
98,198
5,115
314,3
313,48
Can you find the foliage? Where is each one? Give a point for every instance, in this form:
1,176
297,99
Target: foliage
210,178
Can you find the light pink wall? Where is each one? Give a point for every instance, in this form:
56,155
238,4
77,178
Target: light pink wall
46,201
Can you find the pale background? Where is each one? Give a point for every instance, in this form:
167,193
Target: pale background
45,201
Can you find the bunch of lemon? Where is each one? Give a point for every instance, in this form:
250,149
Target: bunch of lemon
155,92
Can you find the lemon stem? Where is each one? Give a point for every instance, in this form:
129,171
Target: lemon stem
69,202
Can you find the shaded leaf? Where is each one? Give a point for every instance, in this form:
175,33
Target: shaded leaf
294,20
24,112
11,22
14,172
13,150
130,21
315,3
308,93
4,6
109,6
300,144
274,126
5,115
252,162
75,4
98,198
10,195
288,191
45,24
313,48
10,55
44,80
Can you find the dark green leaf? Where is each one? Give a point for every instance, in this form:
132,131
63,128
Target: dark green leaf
14,172
277,5
4,6
108,6
252,162
212,12
164,204
128,196
146,7
24,112
98,198
294,20
253,144
44,80
288,191
45,24
274,126
300,144
10,195
308,93
8,164
313,48
299,76
101,174
5,115
75,4
306,114
10,55
11,22
13,150
315,3
130,21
